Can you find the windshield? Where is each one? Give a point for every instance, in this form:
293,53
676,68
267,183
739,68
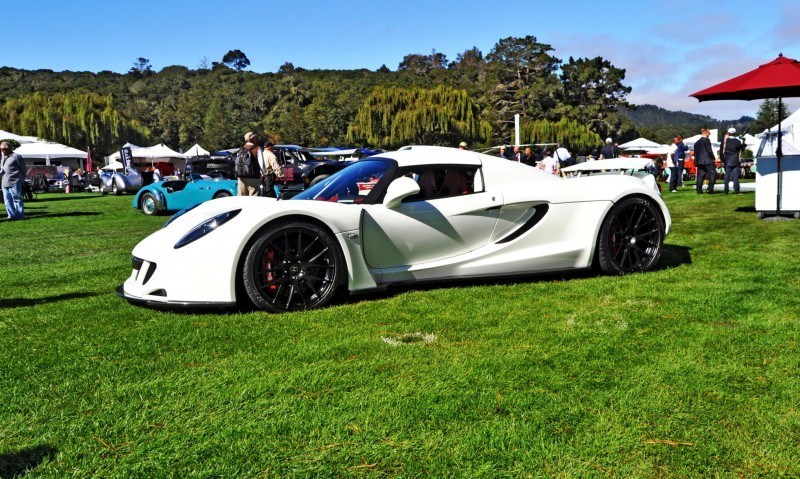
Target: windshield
350,185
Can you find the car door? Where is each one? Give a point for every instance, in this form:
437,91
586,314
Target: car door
197,192
429,229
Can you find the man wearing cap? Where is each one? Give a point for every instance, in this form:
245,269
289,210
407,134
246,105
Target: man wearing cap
462,145
608,150
729,154
503,152
249,186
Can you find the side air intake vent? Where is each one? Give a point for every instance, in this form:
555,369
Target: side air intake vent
538,214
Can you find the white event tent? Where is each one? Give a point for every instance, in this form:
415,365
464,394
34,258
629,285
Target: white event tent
639,144
149,156
790,142
7,135
195,151
41,153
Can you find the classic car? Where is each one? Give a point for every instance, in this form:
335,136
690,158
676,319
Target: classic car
213,166
417,215
301,169
174,194
56,181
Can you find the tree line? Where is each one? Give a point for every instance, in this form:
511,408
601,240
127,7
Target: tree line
426,100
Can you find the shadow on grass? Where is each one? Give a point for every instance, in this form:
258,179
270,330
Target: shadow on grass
16,464
671,257
674,255
24,302
36,215
66,197
745,209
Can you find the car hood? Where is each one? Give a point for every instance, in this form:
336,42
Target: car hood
257,210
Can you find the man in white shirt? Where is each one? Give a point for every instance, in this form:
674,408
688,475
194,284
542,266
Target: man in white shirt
269,169
562,155
549,164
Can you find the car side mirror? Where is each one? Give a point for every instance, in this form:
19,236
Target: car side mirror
399,189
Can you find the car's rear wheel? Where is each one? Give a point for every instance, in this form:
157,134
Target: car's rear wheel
631,237
293,266
149,204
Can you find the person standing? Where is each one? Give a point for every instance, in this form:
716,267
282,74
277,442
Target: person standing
729,154
249,181
549,164
679,157
608,150
462,145
675,160
518,155
269,169
704,159
12,169
503,153
563,156
529,157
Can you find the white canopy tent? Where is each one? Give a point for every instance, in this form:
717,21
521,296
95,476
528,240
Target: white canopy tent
713,136
791,136
48,152
196,150
149,156
7,135
639,144
113,166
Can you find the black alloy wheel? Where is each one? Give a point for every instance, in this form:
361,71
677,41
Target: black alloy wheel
631,237
293,266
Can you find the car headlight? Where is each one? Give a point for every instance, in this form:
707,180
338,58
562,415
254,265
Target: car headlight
206,227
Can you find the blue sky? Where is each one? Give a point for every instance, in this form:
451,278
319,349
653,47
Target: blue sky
670,48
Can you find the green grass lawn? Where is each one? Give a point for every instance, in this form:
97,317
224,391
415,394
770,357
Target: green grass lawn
692,370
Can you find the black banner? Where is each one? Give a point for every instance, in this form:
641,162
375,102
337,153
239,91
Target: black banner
126,158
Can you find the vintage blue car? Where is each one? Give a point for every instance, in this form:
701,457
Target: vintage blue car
175,195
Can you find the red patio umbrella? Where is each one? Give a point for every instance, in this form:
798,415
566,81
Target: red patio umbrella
777,79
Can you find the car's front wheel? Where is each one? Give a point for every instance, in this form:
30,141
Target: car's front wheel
222,194
149,204
631,237
317,179
293,266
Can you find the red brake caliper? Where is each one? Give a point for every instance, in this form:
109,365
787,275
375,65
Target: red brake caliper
266,265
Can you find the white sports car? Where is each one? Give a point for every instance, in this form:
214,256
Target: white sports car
419,214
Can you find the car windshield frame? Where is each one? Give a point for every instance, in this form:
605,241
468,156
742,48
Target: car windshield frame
362,182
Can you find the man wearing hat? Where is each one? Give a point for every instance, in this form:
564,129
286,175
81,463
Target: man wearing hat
729,154
462,145
249,185
608,150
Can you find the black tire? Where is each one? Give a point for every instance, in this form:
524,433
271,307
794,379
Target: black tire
115,189
631,237
293,266
222,194
317,179
149,204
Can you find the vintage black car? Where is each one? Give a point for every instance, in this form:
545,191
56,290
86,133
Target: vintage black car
301,169
213,166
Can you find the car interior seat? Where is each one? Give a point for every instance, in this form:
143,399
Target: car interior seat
454,183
